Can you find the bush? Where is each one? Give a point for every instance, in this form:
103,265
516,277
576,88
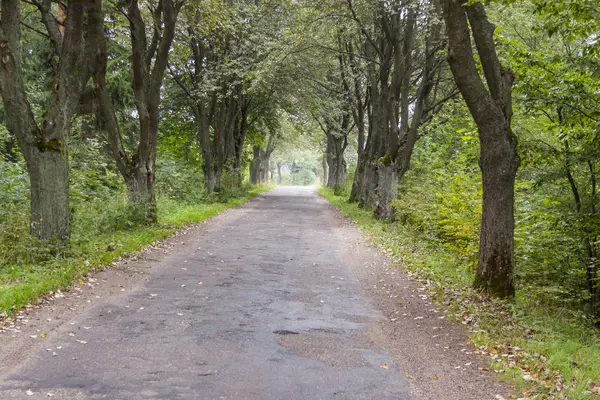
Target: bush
176,180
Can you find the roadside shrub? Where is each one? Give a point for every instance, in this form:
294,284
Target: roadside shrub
178,181
108,216
230,188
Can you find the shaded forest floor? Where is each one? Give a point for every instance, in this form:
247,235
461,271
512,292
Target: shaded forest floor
24,283
547,352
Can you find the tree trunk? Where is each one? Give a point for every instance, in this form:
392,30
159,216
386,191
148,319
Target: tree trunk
279,173
50,210
498,164
149,61
491,108
325,170
240,140
387,191
255,165
336,163
357,184
218,174
264,169
210,180
372,153
357,181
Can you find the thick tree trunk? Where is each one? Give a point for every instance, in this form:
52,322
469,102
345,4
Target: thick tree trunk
260,166
210,181
140,185
264,169
387,191
203,116
368,193
240,140
373,151
491,108
498,164
272,169
50,210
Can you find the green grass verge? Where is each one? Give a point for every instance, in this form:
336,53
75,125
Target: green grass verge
546,353
23,284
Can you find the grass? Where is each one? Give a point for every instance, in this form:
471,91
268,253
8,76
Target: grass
23,284
547,353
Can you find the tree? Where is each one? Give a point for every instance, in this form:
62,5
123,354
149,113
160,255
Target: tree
491,108
44,145
401,53
149,61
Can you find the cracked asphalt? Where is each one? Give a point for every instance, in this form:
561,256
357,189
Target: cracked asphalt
262,302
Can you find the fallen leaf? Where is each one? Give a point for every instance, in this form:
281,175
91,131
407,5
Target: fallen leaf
528,377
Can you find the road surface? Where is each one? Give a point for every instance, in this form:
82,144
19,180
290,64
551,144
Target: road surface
280,298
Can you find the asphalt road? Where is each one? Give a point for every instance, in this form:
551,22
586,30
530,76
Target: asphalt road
260,303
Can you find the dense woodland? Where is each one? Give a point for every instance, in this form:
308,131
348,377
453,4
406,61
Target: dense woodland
474,124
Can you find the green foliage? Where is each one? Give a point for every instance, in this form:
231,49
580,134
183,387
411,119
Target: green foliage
304,177
177,180
441,195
